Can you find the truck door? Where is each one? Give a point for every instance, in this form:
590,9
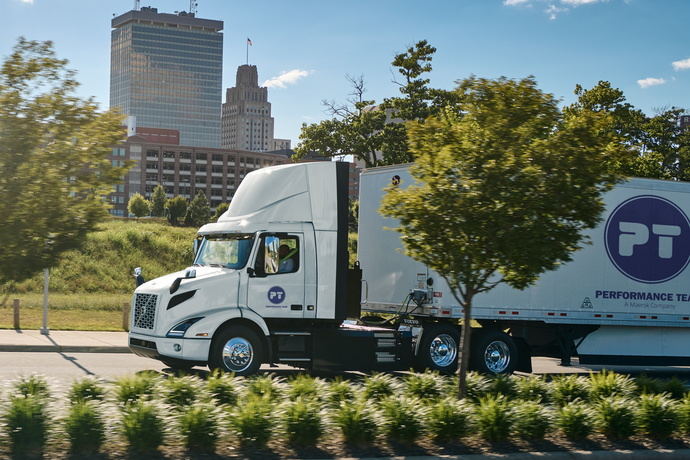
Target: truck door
275,286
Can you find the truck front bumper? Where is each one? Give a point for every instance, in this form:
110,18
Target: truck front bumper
154,347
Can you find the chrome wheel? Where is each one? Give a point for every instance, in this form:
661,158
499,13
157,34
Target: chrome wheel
497,357
443,350
238,354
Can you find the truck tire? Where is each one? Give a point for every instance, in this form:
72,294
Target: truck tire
438,349
493,352
237,349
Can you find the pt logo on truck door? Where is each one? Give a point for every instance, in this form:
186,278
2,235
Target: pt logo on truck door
276,295
648,239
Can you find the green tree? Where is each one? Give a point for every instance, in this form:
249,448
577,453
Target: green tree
375,134
220,209
505,187
198,211
138,205
353,215
175,208
654,146
54,151
158,201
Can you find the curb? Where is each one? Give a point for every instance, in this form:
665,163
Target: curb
570,455
64,349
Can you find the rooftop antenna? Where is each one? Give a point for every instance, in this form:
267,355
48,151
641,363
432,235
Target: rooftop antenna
192,6
136,5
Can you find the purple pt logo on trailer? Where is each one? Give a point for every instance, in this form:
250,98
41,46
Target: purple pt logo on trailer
648,239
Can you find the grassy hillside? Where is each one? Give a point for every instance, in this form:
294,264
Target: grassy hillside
107,260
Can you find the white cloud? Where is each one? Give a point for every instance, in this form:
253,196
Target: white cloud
287,78
514,2
30,2
553,11
579,2
647,82
681,65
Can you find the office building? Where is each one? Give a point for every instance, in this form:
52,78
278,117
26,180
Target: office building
247,123
182,170
166,72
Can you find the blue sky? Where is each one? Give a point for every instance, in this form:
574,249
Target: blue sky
632,43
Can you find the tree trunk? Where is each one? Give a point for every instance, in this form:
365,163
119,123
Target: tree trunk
464,349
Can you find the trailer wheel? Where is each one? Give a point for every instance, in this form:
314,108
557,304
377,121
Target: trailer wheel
438,349
494,352
237,349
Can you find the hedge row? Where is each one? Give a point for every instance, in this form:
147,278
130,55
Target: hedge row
146,411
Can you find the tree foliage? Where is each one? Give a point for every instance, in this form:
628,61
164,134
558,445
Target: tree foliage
376,134
505,187
54,151
175,208
220,210
138,205
198,211
158,201
654,146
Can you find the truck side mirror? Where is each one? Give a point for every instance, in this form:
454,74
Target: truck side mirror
250,272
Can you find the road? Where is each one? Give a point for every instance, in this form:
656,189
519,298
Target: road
65,367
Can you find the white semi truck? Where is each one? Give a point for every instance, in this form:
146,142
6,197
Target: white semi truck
271,284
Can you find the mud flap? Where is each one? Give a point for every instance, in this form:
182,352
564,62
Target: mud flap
524,362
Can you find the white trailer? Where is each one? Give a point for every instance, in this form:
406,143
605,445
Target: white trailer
623,299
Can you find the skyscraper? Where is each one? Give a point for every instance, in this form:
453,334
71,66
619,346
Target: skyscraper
166,70
247,123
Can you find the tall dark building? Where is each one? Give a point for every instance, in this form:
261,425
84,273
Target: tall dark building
166,71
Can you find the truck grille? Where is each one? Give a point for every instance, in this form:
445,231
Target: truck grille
145,310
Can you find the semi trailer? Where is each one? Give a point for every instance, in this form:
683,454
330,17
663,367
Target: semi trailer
271,284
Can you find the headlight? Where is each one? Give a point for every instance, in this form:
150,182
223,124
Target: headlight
179,329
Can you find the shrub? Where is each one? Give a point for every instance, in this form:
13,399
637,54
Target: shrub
356,421
683,414
85,390
303,422
494,420
25,421
674,387
338,391
648,385
402,419
477,386
426,386
85,428
614,417
656,416
253,421
502,385
532,389
265,386
131,389
223,388
607,383
33,385
304,386
531,420
574,419
199,428
142,427
181,392
568,388
450,419
379,386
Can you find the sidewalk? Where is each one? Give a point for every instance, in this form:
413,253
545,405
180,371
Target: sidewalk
63,341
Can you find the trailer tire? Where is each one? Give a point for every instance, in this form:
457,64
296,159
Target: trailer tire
237,349
438,349
493,352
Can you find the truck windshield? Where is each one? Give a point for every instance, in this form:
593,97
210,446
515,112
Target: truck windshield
229,251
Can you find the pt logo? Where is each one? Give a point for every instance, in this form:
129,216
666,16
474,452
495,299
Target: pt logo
648,239
276,295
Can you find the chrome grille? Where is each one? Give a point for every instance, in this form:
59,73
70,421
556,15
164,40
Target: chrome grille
145,310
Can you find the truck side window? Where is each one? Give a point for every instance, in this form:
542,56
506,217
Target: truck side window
280,255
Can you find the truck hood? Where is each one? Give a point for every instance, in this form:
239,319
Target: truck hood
203,273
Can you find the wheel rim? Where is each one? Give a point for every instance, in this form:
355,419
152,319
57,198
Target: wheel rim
443,350
238,354
497,357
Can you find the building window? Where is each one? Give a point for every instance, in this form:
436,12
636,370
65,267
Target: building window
201,156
